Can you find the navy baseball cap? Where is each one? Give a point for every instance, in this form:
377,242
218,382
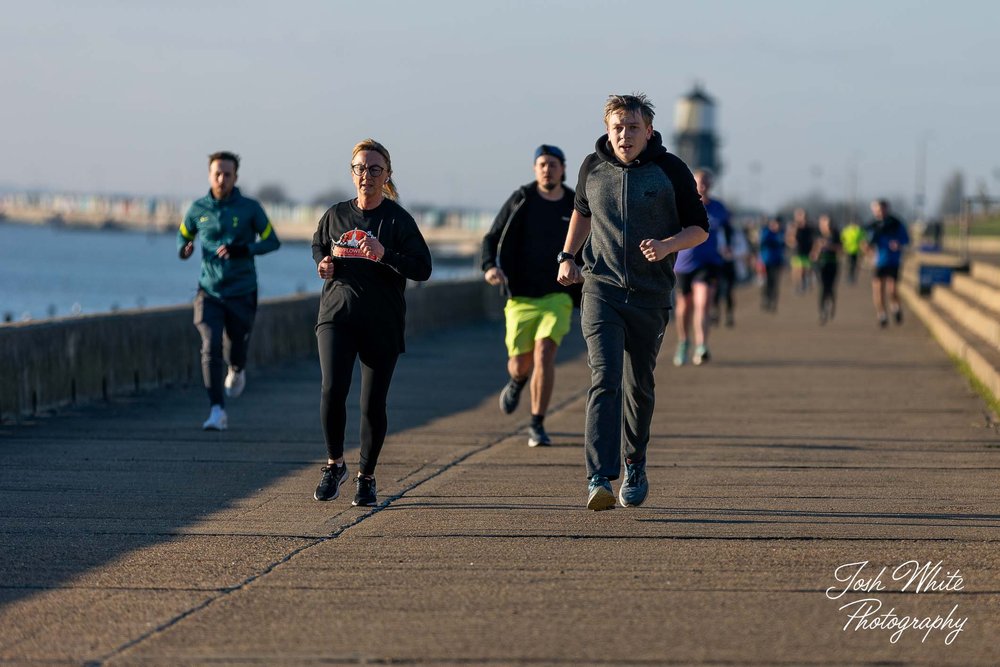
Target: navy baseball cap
554,151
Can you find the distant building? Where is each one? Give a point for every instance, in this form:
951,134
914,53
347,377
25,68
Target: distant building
695,138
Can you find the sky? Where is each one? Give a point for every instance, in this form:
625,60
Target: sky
129,96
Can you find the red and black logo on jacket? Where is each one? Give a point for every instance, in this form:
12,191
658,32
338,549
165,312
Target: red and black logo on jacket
349,244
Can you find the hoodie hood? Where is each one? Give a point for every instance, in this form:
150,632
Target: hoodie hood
653,150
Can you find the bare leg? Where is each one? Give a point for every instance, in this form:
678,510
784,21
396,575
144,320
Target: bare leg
544,376
520,367
684,309
702,296
878,296
893,295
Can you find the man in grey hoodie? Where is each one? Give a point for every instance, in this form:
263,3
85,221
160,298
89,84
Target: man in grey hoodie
636,206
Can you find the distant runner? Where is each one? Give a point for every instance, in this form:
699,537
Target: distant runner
851,237
697,270
885,238
233,229
801,236
825,256
772,261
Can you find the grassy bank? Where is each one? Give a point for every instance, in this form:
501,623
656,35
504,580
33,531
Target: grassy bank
979,227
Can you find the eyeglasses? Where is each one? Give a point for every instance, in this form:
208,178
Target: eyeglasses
374,171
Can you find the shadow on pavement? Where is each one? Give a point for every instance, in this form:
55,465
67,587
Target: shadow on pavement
91,484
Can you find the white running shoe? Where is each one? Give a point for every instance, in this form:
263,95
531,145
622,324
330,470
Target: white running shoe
217,420
235,382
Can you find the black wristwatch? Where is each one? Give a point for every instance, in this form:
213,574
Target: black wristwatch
564,256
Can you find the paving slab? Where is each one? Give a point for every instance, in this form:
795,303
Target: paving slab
799,454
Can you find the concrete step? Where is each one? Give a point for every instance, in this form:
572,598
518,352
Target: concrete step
981,283
987,273
979,321
984,294
945,315
977,245
934,259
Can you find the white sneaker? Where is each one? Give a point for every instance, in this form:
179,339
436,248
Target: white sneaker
235,382
217,420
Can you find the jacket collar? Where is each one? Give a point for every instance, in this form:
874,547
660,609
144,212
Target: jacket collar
233,196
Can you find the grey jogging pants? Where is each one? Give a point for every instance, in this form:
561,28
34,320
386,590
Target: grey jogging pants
622,344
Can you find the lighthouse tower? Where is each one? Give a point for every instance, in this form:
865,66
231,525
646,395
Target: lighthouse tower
695,140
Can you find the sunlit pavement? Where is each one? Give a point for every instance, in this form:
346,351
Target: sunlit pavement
803,460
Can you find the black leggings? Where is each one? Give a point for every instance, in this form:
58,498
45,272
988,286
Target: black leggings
724,292
852,268
769,291
339,346
828,280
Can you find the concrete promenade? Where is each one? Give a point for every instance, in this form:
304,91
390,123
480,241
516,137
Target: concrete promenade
129,536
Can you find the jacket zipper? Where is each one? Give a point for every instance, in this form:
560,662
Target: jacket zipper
625,233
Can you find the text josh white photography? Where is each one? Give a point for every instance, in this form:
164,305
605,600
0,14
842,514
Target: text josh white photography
859,585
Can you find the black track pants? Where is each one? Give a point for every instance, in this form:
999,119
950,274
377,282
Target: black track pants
234,317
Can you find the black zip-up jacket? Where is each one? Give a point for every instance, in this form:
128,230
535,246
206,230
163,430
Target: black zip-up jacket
363,293
652,197
527,255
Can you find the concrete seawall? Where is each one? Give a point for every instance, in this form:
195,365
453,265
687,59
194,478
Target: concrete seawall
44,365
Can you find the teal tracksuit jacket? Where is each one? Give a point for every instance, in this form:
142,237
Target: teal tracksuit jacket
235,221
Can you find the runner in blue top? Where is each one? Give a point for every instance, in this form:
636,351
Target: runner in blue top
233,229
697,270
772,259
885,237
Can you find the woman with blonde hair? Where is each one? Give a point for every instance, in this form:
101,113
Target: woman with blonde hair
365,250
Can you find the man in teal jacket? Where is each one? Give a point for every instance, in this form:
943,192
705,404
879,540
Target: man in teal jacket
232,229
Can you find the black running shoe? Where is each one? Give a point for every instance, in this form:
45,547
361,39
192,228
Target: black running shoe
329,485
511,395
898,316
365,497
537,437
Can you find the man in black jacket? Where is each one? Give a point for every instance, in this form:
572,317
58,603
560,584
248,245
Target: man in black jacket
517,255
636,206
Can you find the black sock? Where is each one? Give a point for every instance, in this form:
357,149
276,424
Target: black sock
536,420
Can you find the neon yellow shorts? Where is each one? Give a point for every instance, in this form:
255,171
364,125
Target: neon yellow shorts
529,320
801,262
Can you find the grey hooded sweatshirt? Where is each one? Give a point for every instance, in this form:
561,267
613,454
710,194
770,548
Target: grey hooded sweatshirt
652,197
